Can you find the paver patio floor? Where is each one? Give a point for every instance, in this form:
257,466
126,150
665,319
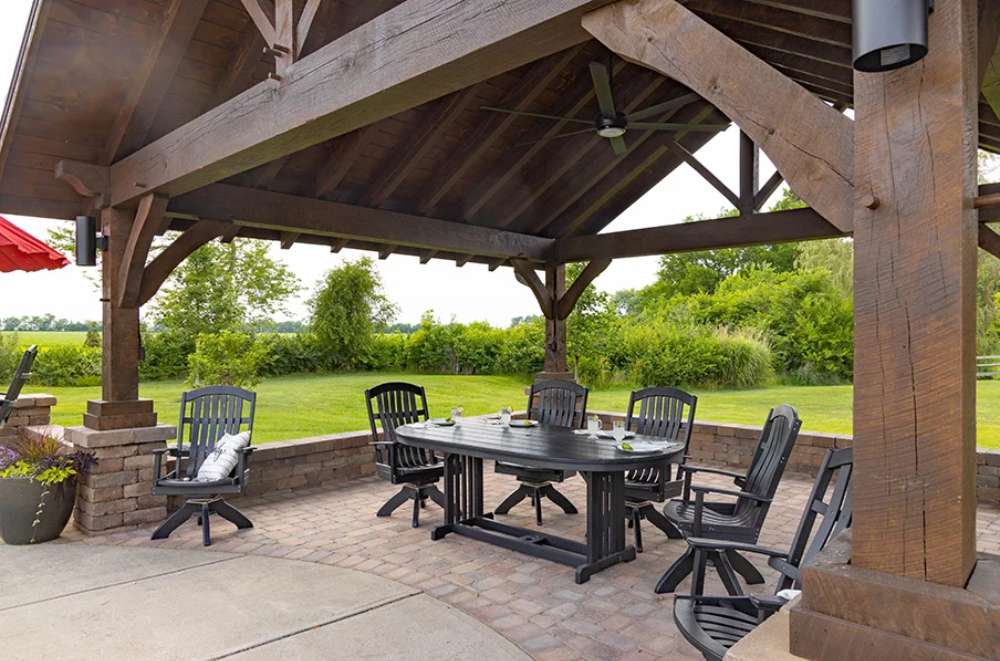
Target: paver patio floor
531,602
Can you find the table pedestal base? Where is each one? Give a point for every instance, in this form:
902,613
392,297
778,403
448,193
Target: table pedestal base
605,546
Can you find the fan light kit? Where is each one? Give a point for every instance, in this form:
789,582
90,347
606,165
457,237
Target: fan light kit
612,124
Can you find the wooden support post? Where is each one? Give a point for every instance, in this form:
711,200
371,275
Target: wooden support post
120,406
915,290
749,174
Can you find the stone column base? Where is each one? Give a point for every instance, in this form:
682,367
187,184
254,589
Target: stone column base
849,612
116,492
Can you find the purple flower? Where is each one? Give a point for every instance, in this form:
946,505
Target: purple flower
7,457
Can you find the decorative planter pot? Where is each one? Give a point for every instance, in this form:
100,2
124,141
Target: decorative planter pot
31,513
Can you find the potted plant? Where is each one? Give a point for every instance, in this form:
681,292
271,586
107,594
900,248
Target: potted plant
38,489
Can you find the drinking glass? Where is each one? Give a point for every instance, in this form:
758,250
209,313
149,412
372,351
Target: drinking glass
456,413
505,413
618,430
593,426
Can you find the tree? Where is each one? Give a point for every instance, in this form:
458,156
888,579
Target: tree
348,309
223,287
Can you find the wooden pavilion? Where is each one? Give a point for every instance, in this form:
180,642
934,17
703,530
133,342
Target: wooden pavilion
361,124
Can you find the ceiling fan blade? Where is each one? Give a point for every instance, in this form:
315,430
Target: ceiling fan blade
602,88
537,114
668,126
556,137
618,145
663,108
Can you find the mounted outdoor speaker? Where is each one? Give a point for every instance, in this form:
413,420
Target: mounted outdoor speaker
86,241
889,34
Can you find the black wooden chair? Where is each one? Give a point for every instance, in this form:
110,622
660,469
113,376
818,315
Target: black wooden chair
714,624
666,413
739,521
416,469
207,414
558,404
21,376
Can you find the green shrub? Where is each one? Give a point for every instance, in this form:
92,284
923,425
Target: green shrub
67,365
667,354
290,353
10,353
226,358
165,355
388,352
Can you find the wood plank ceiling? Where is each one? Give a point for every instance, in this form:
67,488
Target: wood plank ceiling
102,78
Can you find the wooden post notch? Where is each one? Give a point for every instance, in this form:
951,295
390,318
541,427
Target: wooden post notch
283,34
556,303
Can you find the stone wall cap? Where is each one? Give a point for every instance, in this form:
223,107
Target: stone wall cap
89,438
35,399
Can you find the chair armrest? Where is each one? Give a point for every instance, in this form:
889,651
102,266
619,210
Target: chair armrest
381,443
242,472
172,451
730,492
686,468
766,606
723,545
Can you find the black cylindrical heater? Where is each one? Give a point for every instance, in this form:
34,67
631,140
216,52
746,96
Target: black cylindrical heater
889,34
86,241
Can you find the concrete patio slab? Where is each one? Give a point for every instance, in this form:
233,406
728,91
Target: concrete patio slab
418,627
46,571
204,605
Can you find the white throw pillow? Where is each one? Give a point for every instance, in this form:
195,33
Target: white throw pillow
234,441
219,463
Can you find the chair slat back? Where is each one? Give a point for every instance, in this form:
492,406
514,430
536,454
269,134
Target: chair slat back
834,514
389,406
769,459
558,403
209,413
663,412
21,376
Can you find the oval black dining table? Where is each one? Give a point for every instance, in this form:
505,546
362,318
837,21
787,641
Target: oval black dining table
466,444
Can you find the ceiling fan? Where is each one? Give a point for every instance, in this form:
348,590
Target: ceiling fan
612,124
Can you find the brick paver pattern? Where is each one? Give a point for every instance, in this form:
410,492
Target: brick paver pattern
532,602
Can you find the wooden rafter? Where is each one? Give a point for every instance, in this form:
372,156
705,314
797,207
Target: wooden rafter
139,109
989,240
470,152
568,300
808,141
320,100
342,156
402,161
526,275
561,306
262,14
338,244
706,174
288,239
749,174
427,256
773,227
149,221
290,213
386,251
767,190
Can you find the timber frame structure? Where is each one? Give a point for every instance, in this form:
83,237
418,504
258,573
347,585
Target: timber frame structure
358,124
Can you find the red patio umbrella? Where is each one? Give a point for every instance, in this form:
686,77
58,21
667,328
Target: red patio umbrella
19,251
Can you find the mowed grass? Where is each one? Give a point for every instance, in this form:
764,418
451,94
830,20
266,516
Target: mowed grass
48,338
316,404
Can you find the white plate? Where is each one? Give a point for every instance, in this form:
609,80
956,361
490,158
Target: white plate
643,447
523,424
607,434
442,422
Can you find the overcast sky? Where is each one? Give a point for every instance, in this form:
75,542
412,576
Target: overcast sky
470,293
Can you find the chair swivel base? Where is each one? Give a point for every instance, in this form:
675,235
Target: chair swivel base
636,512
727,563
536,492
204,508
418,494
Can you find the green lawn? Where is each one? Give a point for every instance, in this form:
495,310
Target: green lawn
48,338
309,405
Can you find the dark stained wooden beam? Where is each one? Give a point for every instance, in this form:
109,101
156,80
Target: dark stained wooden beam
815,28
704,172
471,151
149,221
773,227
833,11
989,240
262,14
88,180
265,175
496,263
164,55
767,190
808,141
526,275
158,270
302,29
415,52
568,300
257,208
239,73
343,154
386,251
427,256
338,244
403,160
288,239
462,260
749,174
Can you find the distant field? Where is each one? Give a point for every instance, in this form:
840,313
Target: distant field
314,404
43,338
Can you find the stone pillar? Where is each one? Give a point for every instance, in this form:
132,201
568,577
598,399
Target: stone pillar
117,491
29,411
